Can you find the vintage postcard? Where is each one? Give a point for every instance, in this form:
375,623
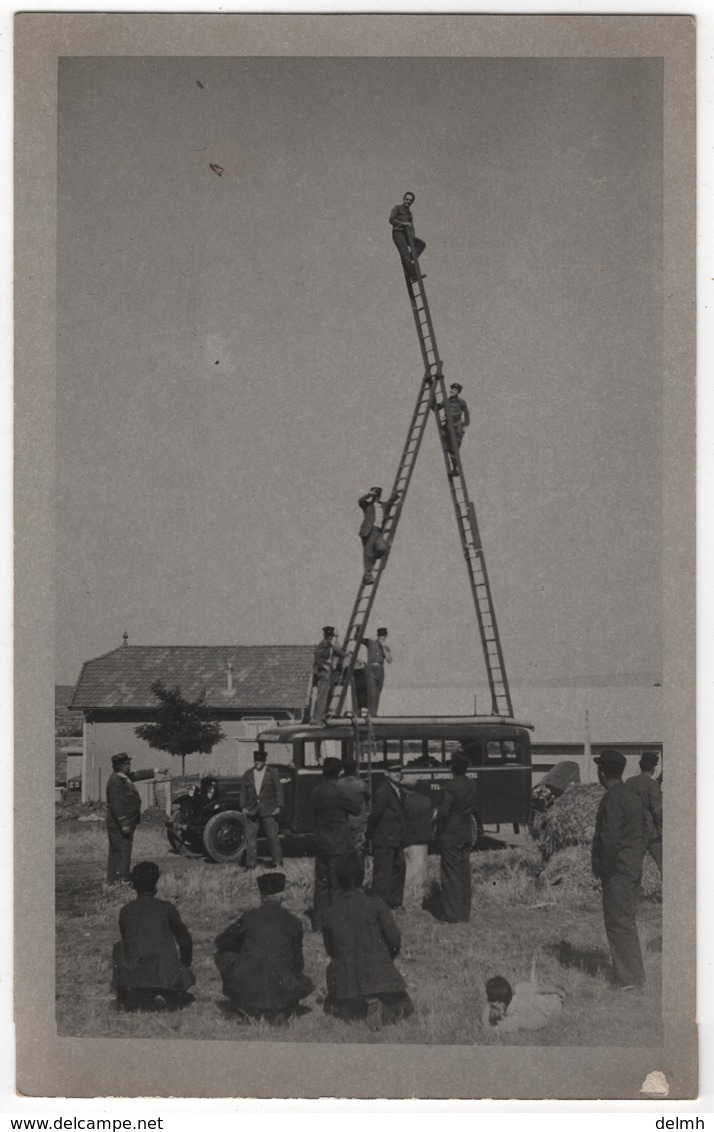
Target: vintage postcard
355,549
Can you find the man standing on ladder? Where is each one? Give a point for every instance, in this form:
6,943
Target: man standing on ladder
457,411
375,516
322,672
401,220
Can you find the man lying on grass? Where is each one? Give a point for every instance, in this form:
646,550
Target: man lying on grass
525,1008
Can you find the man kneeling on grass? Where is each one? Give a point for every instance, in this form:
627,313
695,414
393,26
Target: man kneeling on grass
528,1007
260,957
152,961
362,941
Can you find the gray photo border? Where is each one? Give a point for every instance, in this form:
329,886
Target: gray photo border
71,1067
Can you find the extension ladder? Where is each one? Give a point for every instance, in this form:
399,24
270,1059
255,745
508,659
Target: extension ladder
432,395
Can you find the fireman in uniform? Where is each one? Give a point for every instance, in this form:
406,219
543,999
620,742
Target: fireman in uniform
453,830
322,671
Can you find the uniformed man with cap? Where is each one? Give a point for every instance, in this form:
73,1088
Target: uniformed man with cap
453,831
123,814
378,652
649,792
617,852
376,512
260,956
323,677
387,830
457,411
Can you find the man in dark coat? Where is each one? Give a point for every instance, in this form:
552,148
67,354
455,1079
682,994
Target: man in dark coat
261,799
123,814
401,220
453,830
376,513
357,789
457,411
323,672
617,852
387,831
152,961
378,652
333,835
649,792
260,956
362,940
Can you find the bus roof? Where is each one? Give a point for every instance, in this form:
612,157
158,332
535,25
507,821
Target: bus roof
386,727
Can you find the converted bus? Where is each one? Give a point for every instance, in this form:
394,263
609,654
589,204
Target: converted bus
209,820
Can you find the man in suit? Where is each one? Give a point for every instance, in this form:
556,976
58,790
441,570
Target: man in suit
357,789
152,961
260,957
261,799
333,835
453,830
376,513
123,814
323,672
362,940
618,850
387,830
401,220
649,792
378,652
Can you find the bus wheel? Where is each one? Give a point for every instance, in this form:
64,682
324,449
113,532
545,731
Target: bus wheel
225,836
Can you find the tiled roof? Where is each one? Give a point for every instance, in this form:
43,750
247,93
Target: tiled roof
263,676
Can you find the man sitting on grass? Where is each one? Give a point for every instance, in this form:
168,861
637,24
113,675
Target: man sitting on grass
260,957
525,1008
152,961
362,940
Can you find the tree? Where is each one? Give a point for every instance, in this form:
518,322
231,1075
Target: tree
183,727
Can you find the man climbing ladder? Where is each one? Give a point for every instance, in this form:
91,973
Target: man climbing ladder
431,392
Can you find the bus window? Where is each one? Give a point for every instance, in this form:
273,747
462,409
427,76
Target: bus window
315,751
493,751
512,750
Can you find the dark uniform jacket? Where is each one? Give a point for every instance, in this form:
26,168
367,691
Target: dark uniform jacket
330,806
123,801
649,792
323,654
400,215
457,802
367,505
361,939
387,821
458,409
151,931
260,959
271,792
619,843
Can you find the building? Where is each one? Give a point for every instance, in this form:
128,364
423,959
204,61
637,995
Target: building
68,736
247,687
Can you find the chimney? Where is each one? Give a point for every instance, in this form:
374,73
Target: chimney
125,638
229,677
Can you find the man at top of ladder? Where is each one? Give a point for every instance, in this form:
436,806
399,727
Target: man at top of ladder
401,220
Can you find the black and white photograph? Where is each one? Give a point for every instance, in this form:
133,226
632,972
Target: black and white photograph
371,471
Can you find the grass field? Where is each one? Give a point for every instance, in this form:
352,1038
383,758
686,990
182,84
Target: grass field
518,916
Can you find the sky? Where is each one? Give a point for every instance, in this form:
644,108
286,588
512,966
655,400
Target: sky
237,360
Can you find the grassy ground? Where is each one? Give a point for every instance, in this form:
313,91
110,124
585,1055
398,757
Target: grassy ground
517,917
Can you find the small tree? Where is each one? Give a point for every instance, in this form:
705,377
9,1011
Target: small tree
183,727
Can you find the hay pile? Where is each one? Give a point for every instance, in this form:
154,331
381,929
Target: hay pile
571,820
565,841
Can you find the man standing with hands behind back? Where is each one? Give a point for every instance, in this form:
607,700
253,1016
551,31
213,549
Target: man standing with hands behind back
261,798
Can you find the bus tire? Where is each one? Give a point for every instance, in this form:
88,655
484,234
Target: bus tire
224,837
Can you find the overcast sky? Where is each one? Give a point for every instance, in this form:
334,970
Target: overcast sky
237,359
